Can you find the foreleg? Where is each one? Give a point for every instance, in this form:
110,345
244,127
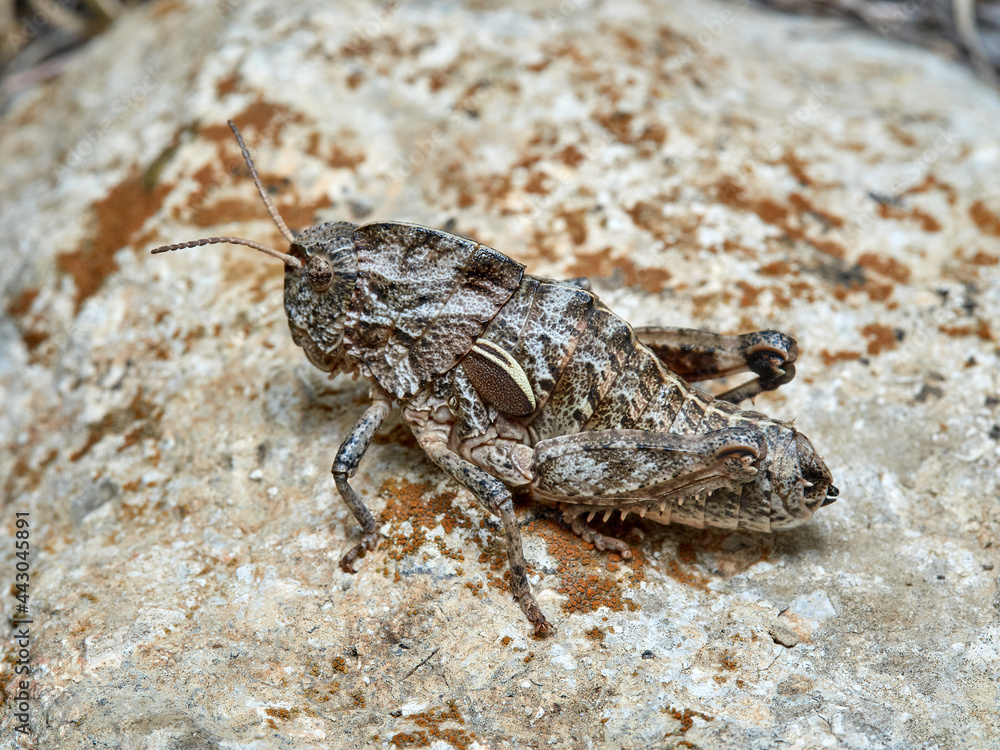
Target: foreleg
700,355
346,465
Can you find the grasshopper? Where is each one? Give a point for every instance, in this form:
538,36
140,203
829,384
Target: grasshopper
510,380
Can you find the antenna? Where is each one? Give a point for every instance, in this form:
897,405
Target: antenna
275,217
288,259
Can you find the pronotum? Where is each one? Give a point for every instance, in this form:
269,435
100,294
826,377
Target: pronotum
510,380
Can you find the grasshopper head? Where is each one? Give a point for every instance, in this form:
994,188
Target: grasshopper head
321,266
318,291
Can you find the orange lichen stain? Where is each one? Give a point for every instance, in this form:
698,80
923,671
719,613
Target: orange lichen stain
842,356
339,664
907,139
981,330
686,553
987,221
750,293
32,477
576,224
829,247
885,266
227,85
29,326
777,268
927,222
21,304
406,501
732,246
536,183
805,205
680,567
506,640
452,176
261,116
431,729
733,195
931,182
224,211
341,158
618,123
146,413
730,194
648,215
589,579
880,338
601,264
301,214
119,217
728,661
628,42
982,259
570,156
796,167
297,213
595,634
686,718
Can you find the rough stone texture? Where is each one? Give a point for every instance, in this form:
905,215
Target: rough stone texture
709,165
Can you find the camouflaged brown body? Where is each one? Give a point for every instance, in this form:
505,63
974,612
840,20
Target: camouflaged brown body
509,380
423,298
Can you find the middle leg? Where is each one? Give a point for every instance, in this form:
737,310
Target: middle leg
494,496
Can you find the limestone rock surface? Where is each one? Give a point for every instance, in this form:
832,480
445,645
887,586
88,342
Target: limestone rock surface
708,165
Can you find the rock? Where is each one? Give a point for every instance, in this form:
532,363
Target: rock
706,165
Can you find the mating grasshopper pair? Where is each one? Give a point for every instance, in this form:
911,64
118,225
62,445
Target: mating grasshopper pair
510,380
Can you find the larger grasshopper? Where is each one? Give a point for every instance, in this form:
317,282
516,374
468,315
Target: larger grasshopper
511,380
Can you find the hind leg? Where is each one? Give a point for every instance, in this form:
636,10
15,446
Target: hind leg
574,519
700,355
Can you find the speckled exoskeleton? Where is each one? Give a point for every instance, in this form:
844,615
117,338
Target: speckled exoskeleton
510,380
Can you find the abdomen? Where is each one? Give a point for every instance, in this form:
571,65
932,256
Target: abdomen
589,372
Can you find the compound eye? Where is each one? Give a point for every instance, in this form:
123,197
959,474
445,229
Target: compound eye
320,273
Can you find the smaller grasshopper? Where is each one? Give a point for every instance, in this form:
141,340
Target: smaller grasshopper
510,380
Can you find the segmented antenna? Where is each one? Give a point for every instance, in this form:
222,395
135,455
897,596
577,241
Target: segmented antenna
275,216
288,259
